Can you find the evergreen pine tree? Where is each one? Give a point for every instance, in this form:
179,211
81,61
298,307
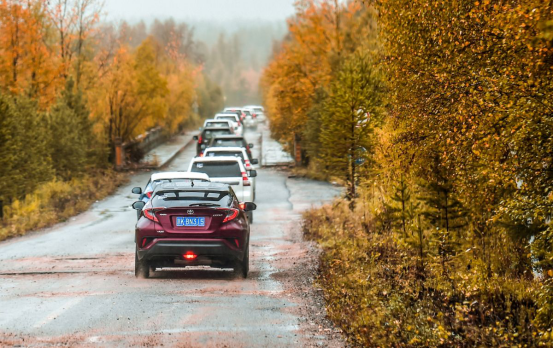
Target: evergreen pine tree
349,116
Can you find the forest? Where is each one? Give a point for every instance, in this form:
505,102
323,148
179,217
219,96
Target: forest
436,117
73,84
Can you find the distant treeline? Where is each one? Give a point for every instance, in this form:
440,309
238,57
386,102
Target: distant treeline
437,116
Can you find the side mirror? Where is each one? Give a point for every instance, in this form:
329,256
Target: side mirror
254,161
252,173
250,145
249,206
137,190
195,138
138,205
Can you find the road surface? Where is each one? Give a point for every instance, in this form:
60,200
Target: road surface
74,285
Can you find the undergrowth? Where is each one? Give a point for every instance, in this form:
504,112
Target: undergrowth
381,293
56,201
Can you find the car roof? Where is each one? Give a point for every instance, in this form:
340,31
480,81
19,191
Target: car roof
178,175
216,120
225,114
225,149
206,186
228,137
216,128
216,159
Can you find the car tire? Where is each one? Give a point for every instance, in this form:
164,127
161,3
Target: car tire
141,268
241,268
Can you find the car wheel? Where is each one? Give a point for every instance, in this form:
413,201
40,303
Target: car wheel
242,268
141,268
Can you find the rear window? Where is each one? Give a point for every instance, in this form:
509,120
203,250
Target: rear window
238,154
259,110
208,134
216,124
230,118
180,198
247,112
218,169
228,143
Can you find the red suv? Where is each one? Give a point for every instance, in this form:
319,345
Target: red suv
187,224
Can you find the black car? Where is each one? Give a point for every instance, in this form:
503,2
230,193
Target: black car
231,141
184,225
207,134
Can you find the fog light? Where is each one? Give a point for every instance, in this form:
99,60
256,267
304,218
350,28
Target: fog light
189,255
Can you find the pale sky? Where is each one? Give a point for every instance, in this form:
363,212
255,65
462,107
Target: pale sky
216,10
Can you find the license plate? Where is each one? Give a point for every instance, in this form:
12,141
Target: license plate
190,221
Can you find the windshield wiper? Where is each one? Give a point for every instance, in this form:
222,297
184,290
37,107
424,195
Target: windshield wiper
206,204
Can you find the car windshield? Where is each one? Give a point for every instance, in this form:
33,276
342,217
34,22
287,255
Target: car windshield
208,134
218,168
238,154
184,198
229,143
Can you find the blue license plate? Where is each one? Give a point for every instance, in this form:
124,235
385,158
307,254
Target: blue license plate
190,221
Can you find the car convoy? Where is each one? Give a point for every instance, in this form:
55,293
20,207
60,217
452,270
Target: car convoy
202,217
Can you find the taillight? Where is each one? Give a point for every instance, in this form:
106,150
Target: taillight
242,206
248,165
150,213
190,255
231,214
246,179
149,194
200,140
254,115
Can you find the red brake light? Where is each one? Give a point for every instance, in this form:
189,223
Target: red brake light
150,213
237,243
190,255
200,140
231,214
246,179
242,206
149,194
144,241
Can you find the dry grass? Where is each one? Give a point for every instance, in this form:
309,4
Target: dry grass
56,201
376,292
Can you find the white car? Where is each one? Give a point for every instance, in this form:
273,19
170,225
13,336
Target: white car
250,120
258,112
167,177
220,123
159,177
229,170
236,152
238,129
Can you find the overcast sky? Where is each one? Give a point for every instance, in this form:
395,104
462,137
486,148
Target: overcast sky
217,10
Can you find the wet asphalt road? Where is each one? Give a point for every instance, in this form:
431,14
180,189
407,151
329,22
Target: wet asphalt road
74,284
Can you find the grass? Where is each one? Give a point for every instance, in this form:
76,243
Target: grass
378,294
56,201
